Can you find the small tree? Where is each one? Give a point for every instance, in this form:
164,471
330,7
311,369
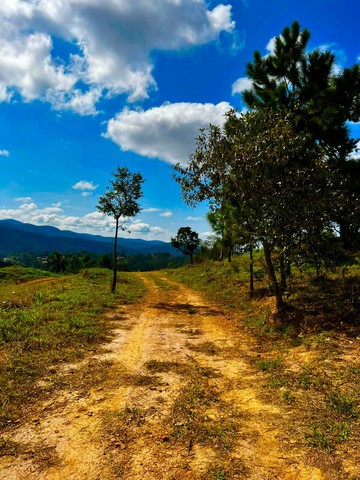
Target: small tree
121,202
187,241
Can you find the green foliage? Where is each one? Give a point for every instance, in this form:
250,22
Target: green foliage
187,241
121,198
269,365
121,202
343,405
272,179
19,274
306,83
326,435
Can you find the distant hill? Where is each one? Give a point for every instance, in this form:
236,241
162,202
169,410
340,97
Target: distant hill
17,237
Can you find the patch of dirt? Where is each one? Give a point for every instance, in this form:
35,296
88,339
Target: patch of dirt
180,401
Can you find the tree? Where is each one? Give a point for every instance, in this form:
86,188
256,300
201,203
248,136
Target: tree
187,241
121,202
322,101
105,261
56,262
74,264
276,178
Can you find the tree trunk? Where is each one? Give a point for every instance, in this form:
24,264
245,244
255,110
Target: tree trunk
272,275
283,273
251,269
113,285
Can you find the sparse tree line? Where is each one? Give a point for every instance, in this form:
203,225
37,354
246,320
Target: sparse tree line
282,175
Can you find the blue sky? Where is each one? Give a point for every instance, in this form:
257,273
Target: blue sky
86,85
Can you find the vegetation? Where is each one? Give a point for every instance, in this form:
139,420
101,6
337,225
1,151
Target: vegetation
121,202
309,359
187,241
322,100
73,263
279,175
45,321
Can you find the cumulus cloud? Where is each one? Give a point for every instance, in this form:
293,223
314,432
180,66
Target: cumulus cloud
93,222
167,132
84,185
4,153
166,214
111,43
140,227
241,84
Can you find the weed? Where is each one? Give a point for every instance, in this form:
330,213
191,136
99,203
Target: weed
233,469
269,365
305,378
326,435
217,473
278,382
318,439
343,405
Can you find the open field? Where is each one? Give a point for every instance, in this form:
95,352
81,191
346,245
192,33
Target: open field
178,386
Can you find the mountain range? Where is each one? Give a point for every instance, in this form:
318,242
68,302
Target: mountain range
17,237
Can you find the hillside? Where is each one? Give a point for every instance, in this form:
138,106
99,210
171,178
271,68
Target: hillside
17,237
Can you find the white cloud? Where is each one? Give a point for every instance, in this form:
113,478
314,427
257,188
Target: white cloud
113,39
167,132
150,210
23,199
84,185
193,219
166,214
83,103
141,227
270,47
4,153
86,194
241,84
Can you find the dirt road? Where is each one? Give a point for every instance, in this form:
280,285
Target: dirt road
179,400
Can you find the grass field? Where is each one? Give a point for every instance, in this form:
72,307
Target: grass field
46,320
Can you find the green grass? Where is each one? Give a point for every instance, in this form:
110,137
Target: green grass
46,324
269,365
18,274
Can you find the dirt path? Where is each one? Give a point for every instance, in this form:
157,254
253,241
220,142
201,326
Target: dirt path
180,401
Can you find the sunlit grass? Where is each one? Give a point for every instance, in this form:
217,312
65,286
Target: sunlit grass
46,323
